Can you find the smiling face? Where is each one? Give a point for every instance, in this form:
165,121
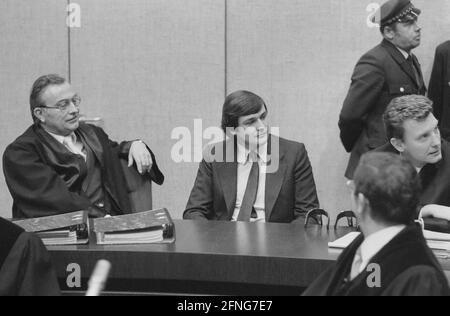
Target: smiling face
252,129
54,120
421,143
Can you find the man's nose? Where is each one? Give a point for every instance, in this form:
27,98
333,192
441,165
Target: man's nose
260,124
417,27
436,138
73,109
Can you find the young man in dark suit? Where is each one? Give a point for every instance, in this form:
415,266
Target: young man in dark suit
25,266
253,175
439,86
413,132
391,256
60,165
387,71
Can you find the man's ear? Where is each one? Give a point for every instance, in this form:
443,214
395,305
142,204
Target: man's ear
38,113
398,144
360,201
389,33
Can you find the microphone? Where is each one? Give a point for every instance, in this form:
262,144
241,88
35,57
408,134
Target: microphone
98,278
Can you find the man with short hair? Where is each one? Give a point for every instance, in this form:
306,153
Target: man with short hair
25,265
413,132
391,256
253,176
439,91
387,71
60,165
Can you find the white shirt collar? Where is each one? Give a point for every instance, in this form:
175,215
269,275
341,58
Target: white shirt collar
61,139
243,153
375,242
404,53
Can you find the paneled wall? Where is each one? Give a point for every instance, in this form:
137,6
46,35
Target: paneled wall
33,41
150,66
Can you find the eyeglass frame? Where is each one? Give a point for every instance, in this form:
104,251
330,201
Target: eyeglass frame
75,100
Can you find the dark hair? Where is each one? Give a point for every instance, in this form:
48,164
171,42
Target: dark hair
414,107
238,104
393,26
39,86
391,185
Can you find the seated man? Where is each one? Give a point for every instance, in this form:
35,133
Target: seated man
60,165
253,175
414,133
25,267
391,256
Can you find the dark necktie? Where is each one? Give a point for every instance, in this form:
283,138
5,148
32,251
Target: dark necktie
250,195
414,69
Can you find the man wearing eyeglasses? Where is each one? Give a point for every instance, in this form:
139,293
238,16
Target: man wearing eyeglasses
60,165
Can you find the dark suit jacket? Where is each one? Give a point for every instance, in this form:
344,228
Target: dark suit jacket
25,265
435,177
290,191
439,91
380,75
407,268
45,179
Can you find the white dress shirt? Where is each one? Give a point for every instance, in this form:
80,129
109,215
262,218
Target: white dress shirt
374,243
71,143
244,166
404,53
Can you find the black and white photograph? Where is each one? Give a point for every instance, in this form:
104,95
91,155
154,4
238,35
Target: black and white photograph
223,154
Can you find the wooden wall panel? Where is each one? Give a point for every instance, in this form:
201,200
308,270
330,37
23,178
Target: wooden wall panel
33,42
148,67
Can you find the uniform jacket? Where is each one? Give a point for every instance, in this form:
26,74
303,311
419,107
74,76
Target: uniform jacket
379,76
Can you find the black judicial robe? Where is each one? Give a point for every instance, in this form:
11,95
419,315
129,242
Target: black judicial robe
25,266
46,179
408,268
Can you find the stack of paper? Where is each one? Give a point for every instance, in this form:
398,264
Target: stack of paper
153,226
345,241
437,241
63,229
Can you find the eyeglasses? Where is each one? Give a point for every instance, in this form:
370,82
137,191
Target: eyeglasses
63,105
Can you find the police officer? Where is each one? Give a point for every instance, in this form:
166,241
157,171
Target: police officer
387,71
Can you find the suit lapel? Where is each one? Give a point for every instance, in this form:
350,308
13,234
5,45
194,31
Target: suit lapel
419,71
227,173
274,180
91,139
401,61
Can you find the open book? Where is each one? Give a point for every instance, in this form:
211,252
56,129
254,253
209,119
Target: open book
63,229
155,226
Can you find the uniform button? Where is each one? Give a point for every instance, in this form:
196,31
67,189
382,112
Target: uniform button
402,89
449,84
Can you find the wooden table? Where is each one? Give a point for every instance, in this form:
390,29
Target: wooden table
212,258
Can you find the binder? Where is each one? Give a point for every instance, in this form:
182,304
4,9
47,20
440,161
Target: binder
154,226
63,229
